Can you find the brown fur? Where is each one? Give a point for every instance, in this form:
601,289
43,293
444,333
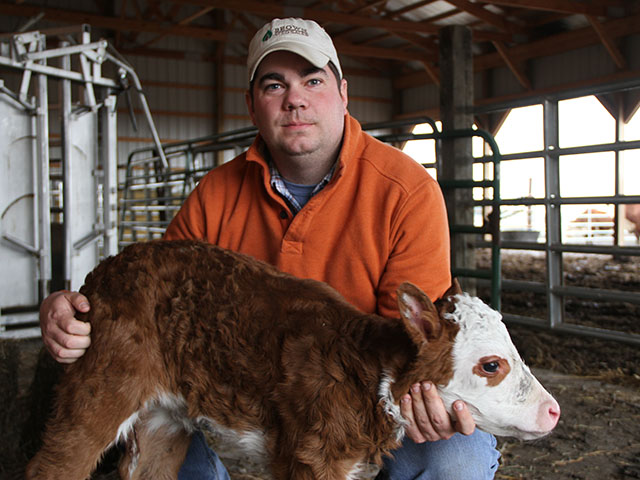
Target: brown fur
245,345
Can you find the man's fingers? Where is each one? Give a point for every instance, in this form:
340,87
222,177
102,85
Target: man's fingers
465,424
411,428
422,413
439,418
79,302
75,327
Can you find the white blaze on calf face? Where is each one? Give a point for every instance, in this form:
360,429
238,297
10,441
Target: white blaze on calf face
489,375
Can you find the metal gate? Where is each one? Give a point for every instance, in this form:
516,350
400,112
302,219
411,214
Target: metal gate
81,166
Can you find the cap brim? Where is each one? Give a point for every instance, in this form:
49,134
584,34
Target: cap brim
316,58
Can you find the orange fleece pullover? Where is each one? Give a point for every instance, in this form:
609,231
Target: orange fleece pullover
380,221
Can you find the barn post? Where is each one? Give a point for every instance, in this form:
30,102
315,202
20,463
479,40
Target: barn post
456,159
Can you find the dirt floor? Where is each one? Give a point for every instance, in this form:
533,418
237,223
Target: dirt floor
596,382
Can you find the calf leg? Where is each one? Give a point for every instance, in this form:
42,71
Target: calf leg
91,412
75,440
309,462
154,452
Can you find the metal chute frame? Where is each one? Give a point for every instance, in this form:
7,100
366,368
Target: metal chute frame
87,151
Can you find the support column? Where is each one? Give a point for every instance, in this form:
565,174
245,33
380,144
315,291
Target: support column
554,223
456,160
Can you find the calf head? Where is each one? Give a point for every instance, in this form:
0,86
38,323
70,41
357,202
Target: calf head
483,366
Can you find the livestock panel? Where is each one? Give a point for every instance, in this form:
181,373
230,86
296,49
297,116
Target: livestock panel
18,211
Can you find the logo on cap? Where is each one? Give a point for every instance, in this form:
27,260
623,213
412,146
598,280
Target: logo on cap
267,36
291,29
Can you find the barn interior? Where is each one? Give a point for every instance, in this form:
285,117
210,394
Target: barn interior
526,112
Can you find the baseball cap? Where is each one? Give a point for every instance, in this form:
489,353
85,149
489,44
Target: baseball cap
303,37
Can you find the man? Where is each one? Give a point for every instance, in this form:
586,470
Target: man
319,198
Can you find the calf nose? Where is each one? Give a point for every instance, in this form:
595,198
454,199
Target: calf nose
549,414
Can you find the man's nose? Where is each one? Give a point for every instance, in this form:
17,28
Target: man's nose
295,98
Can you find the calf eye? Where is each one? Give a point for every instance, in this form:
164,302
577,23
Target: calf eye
491,367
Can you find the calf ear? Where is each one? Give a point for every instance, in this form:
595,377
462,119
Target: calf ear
446,304
416,308
454,289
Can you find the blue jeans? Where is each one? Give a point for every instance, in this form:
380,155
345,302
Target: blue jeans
201,463
472,457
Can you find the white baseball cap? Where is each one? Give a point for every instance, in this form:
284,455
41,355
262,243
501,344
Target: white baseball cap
303,37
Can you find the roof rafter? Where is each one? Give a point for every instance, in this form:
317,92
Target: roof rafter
519,74
608,42
124,24
562,6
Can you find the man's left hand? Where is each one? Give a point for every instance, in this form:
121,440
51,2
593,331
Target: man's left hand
427,417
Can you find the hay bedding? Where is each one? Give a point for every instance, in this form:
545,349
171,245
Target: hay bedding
596,382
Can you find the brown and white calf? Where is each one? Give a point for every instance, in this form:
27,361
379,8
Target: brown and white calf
185,333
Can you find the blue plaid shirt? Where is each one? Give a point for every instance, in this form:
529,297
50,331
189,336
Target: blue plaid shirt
277,182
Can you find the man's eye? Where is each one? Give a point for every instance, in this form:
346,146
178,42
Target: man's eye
272,86
315,81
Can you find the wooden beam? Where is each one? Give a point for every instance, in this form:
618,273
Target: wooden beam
125,24
566,87
409,8
433,72
542,48
350,49
184,21
270,10
517,72
483,14
608,42
561,6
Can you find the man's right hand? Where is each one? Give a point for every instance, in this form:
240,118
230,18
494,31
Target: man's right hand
65,337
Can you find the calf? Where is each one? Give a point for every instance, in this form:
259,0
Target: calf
632,213
185,334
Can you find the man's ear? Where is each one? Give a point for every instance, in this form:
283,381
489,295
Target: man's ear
344,94
416,308
249,101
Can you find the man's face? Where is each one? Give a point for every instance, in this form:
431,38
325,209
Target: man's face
298,108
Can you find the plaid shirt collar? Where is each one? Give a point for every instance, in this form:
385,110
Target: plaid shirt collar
277,182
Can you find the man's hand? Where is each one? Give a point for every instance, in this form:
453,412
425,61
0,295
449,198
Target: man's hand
427,416
65,337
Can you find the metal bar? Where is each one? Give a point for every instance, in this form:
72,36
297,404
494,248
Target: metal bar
67,192
614,199
617,146
598,294
624,337
15,241
66,50
56,72
87,240
627,84
554,227
26,105
525,286
109,157
44,202
146,186
603,250
145,106
472,273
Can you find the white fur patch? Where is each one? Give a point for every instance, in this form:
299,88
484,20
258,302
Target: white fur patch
391,408
357,471
166,410
251,442
169,411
